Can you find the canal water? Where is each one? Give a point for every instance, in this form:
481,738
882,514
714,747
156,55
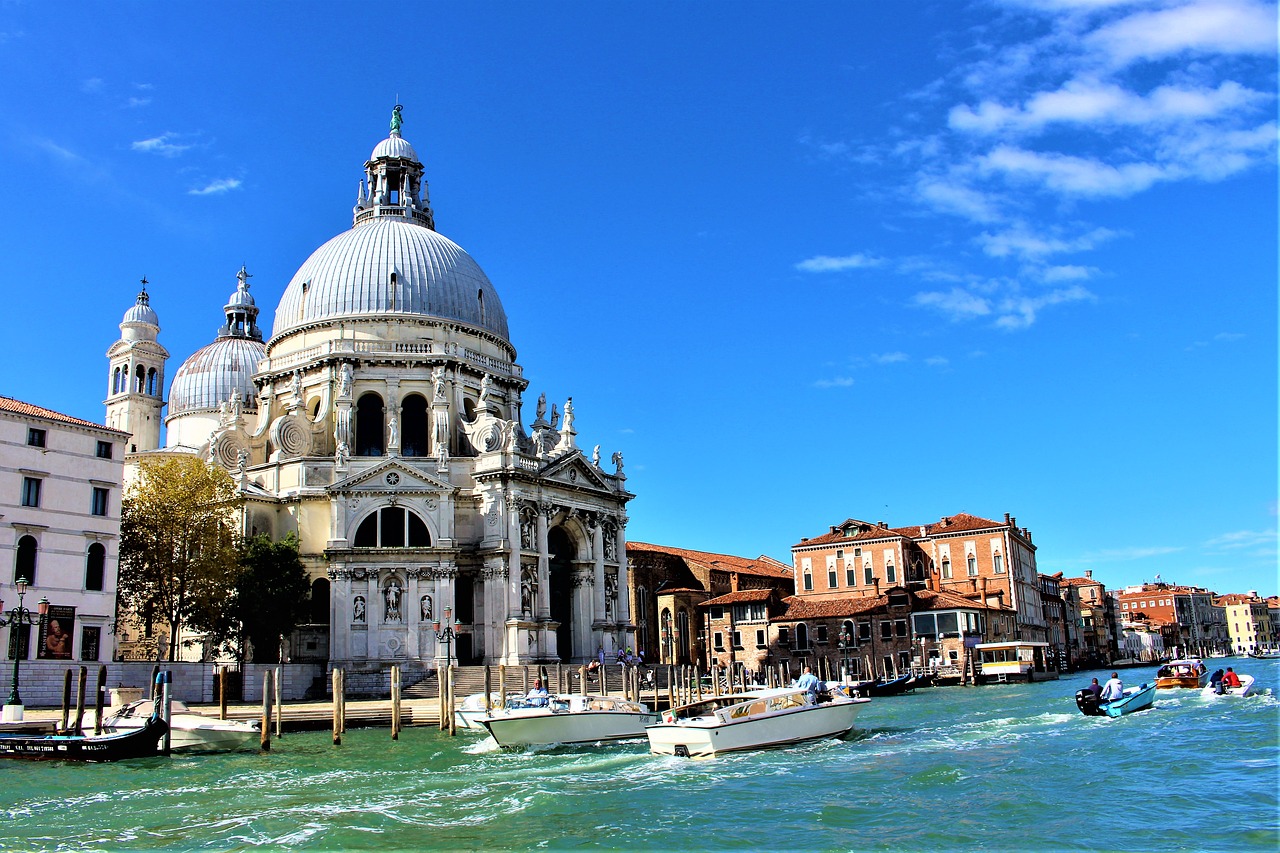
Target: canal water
990,768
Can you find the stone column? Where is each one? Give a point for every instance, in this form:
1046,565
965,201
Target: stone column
412,612
624,582
597,551
543,610
339,614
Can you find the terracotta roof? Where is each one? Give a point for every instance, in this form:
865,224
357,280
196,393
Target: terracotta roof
959,523
1080,582
1237,598
17,407
869,532
962,521
670,590
739,597
763,565
927,599
795,607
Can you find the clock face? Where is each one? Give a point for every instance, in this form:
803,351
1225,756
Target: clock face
392,478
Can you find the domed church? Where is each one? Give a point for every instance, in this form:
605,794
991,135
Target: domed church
382,422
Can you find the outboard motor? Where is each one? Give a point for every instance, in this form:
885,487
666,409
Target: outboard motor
1087,703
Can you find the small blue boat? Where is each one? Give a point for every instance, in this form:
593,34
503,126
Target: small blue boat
1134,699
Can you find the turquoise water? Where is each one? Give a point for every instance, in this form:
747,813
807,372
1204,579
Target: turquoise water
991,768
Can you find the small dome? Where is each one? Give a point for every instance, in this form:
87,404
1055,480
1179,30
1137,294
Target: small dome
216,373
352,276
394,146
240,298
142,312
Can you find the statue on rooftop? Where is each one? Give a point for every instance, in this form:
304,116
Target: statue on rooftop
396,119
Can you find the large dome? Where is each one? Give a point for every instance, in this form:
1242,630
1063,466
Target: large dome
352,276
216,373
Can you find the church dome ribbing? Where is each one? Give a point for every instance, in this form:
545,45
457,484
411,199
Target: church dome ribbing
223,370
391,262
141,311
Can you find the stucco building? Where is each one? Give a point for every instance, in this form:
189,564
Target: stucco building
60,489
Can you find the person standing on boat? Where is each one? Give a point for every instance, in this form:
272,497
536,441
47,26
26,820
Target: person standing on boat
809,683
1113,689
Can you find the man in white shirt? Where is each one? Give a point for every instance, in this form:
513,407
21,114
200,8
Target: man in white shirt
1113,689
809,683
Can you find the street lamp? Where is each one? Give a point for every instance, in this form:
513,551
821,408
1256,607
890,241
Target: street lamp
19,619
447,634
846,650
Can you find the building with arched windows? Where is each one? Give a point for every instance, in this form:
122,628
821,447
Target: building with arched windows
60,487
382,421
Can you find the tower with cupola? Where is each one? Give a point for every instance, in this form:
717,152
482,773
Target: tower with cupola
135,376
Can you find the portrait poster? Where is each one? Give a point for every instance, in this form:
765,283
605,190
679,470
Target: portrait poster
57,628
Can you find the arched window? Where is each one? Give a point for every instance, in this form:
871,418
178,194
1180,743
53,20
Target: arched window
802,637
151,382
117,381
370,430
95,567
392,527
414,435
686,640
25,567
140,379
972,565
320,601
666,637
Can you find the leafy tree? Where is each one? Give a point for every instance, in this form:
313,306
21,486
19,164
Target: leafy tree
271,595
178,556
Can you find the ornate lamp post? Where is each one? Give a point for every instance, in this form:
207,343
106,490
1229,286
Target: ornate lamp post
18,619
846,651
447,634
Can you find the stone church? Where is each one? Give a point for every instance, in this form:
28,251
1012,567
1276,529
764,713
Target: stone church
382,421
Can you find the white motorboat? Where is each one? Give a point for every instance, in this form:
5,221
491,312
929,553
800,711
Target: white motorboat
568,719
1245,688
189,731
752,720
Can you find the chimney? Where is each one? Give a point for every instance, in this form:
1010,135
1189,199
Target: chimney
833,528
876,584
945,521
1088,573
1013,522
974,581
982,589
1253,593
923,532
881,524
1006,518
733,582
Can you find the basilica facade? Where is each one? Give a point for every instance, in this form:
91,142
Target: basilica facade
382,421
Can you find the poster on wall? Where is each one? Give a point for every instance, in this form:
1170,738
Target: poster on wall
57,627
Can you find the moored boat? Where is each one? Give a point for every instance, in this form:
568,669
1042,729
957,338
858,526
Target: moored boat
188,731
1189,673
141,742
1133,699
1265,654
753,720
568,719
893,686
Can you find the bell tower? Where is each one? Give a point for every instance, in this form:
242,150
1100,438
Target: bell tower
135,376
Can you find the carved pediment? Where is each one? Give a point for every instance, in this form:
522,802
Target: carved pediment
391,475
574,470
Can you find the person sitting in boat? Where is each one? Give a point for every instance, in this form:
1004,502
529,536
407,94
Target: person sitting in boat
809,683
537,695
1113,689
1095,688
1231,679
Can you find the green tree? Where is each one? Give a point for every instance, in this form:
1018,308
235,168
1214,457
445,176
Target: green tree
271,595
178,555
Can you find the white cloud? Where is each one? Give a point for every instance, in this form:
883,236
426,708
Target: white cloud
957,303
1091,102
1070,175
1134,553
952,196
890,358
1020,311
216,187
836,382
937,361
164,145
1202,27
1020,242
137,102
826,263
1243,539
1066,273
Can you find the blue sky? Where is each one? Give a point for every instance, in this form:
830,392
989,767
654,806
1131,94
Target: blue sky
800,262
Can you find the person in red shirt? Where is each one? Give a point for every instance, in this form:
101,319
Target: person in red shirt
1231,679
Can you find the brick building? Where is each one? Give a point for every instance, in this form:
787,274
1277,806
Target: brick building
1094,645
1249,622
1186,616
669,584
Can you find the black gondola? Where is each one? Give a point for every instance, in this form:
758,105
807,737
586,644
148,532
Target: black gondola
893,686
135,743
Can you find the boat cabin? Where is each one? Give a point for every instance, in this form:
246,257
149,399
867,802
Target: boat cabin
1014,661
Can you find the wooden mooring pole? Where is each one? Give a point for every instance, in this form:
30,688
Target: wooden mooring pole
453,722
99,696
266,711
395,702
502,685
279,701
222,693
66,701
80,688
337,706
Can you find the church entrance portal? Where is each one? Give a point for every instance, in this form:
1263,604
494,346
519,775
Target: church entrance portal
562,552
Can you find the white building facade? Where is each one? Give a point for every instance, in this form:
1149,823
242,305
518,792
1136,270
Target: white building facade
382,422
60,489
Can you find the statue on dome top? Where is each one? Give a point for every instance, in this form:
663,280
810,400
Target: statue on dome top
396,119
